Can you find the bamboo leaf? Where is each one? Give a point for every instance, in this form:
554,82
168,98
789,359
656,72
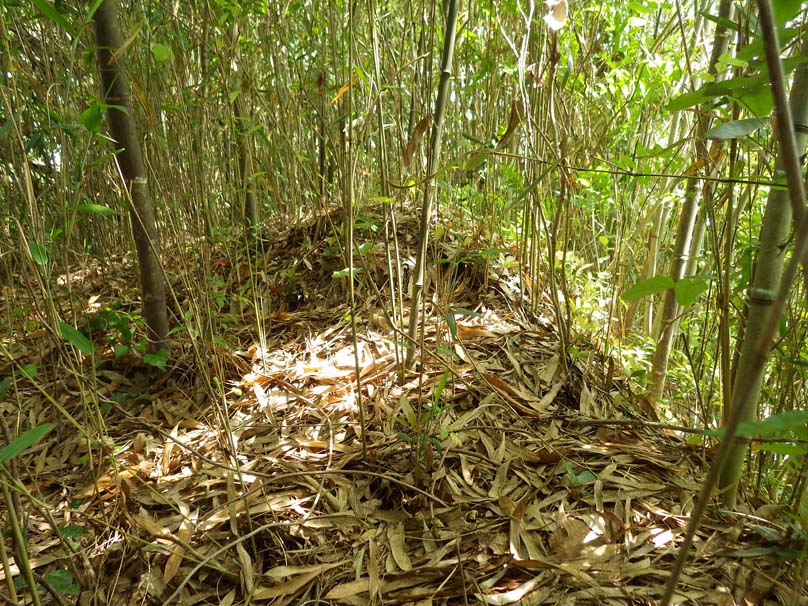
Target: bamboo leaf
25,441
687,100
160,52
735,129
97,209
44,7
38,252
158,359
76,338
688,289
645,288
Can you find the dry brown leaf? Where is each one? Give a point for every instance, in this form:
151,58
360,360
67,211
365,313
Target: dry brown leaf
168,448
291,481
35,563
417,133
398,546
588,404
144,521
246,573
175,558
345,87
348,590
473,332
548,398
567,540
374,579
228,599
303,576
515,596
508,390
139,443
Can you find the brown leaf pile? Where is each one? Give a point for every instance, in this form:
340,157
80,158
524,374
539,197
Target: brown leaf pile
489,477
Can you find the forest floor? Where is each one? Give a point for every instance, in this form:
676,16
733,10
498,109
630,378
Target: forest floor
493,473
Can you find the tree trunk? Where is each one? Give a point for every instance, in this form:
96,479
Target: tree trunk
670,308
245,195
684,231
130,161
429,185
772,247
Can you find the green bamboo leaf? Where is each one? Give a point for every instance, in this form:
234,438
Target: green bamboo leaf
344,273
735,129
450,320
755,49
793,450
439,389
25,441
5,128
44,7
730,25
97,209
72,532
76,338
5,384
583,478
90,118
782,423
688,289
62,582
645,288
38,252
687,100
758,102
158,359
784,11
160,52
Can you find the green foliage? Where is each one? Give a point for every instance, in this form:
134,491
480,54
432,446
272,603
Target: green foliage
160,52
76,338
786,423
29,371
451,319
575,189
751,91
158,359
45,7
23,442
96,209
735,129
71,532
92,118
62,581
784,11
38,252
345,272
688,289
578,479
646,288
115,325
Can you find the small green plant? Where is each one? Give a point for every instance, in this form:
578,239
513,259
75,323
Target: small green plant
71,534
24,442
420,427
62,582
158,359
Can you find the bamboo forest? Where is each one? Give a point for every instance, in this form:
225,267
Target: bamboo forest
404,302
